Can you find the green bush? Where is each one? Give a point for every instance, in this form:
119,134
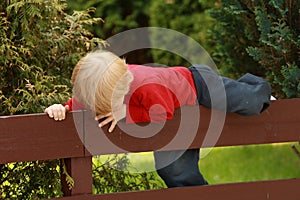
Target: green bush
187,17
261,37
118,16
39,45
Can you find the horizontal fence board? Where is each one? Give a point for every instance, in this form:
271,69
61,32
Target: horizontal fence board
274,190
36,137
280,123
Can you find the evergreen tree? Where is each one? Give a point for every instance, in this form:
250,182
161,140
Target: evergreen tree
261,37
39,46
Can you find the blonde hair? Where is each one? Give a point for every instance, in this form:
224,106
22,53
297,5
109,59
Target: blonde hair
100,81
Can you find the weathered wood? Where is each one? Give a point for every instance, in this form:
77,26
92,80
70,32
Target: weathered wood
280,123
274,190
36,137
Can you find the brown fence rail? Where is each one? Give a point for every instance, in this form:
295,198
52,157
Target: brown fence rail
36,137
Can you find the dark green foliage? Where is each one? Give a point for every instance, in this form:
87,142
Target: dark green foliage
187,17
290,80
233,32
118,16
31,180
261,37
39,46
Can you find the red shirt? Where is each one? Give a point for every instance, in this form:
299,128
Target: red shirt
156,92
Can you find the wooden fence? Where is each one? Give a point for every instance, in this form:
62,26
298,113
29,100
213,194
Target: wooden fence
36,137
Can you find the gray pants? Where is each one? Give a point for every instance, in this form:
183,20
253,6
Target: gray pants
249,95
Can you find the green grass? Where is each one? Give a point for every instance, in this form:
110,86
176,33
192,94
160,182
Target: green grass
238,164
250,163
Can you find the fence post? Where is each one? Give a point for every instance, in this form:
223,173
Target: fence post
80,169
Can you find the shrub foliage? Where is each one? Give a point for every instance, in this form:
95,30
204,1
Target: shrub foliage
262,37
39,45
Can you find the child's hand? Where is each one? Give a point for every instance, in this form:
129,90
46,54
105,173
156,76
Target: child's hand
109,119
57,111
112,118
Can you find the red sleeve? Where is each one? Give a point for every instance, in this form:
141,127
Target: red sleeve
73,104
150,103
69,103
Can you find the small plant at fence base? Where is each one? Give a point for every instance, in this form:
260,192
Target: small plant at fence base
114,175
30,180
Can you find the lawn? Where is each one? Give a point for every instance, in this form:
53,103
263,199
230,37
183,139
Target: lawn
250,163
238,164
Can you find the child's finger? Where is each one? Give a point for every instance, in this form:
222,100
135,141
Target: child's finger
63,114
59,113
102,116
106,121
49,112
112,126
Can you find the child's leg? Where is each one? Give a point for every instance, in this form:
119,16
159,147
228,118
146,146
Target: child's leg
249,95
182,168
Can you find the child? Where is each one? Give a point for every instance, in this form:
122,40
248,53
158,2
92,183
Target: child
105,84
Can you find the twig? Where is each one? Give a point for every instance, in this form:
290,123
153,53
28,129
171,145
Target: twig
296,150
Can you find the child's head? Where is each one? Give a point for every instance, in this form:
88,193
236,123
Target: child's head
100,81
